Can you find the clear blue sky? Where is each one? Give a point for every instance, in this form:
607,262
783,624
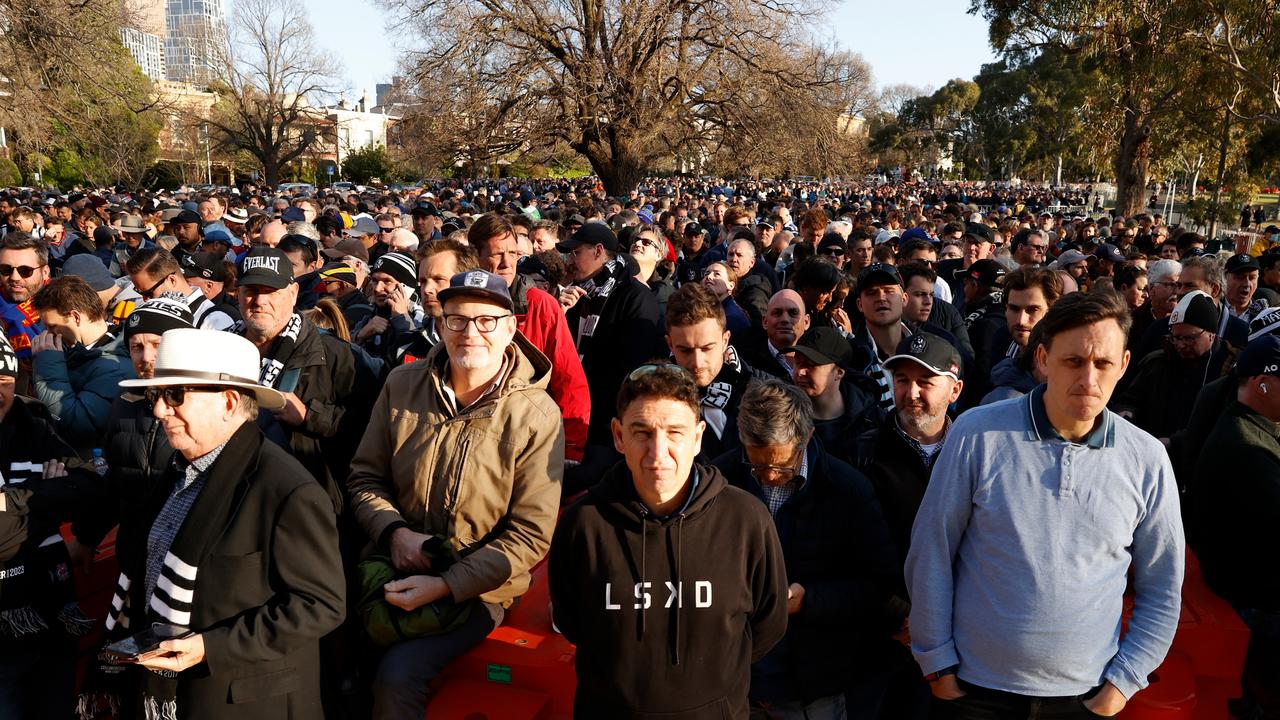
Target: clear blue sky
920,42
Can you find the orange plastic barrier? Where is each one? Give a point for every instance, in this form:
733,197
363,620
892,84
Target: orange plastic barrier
1204,666
522,671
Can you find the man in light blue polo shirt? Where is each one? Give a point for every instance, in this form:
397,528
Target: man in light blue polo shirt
1036,511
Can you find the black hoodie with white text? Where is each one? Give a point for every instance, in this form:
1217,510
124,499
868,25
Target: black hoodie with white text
668,613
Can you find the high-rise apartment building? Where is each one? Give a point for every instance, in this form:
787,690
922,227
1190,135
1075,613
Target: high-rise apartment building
195,32
147,50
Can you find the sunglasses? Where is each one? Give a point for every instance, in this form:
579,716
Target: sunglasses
24,271
175,395
386,229
151,291
832,252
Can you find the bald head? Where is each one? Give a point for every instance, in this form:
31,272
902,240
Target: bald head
785,319
404,241
272,232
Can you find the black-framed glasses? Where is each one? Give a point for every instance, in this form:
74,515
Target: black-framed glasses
382,229
484,323
24,271
175,395
151,291
1185,339
785,473
832,251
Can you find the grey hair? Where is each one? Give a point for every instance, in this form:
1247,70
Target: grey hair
248,406
1162,270
303,228
751,243
774,413
1212,271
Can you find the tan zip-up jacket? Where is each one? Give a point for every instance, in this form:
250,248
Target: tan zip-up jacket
486,476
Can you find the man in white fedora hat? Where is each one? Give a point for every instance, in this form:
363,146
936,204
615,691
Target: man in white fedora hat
238,549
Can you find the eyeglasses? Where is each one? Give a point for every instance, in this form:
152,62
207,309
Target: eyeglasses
484,323
648,242
780,472
1038,248
175,395
1167,284
149,292
382,229
24,271
1186,286
1185,339
832,251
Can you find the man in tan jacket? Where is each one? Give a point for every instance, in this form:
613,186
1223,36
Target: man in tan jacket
465,446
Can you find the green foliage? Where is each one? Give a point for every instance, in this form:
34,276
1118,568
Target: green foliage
371,161
10,175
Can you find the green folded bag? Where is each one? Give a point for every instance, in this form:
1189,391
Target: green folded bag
387,624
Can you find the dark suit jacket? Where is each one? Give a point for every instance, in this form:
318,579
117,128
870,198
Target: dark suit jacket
763,365
270,587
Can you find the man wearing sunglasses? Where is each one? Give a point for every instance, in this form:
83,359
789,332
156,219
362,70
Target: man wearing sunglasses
267,590
24,269
155,272
838,554
479,465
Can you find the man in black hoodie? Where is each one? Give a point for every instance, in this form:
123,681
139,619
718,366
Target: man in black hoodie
669,581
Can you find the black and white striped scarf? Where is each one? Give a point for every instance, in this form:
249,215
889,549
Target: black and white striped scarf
282,349
174,600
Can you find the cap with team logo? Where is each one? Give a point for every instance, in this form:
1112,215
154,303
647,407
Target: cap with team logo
266,266
478,283
1241,262
930,351
1260,357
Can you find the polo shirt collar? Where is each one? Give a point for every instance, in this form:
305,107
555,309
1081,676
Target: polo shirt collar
1103,434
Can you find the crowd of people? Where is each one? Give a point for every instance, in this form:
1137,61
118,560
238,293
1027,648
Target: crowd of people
789,449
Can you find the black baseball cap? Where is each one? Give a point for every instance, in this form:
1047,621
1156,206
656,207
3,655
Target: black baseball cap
1260,357
592,233
204,265
693,228
186,217
985,272
875,275
824,346
478,283
1243,261
932,352
266,266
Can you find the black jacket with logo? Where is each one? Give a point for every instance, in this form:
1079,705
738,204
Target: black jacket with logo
668,613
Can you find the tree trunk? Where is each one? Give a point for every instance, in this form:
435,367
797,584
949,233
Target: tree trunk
1133,164
271,174
620,172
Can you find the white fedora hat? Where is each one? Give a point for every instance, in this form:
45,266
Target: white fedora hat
209,357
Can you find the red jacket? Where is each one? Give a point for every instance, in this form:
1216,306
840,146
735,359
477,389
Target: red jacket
545,326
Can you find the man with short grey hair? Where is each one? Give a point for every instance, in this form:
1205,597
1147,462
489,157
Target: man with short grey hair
1203,273
840,562
1162,295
